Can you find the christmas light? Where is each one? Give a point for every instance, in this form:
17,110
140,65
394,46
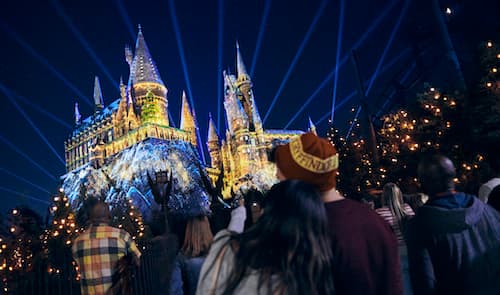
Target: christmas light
489,84
448,11
494,70
489,44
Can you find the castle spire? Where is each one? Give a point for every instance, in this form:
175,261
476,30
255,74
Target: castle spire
188,122
312,127
240,66
212,130
78,117
98,99
143,68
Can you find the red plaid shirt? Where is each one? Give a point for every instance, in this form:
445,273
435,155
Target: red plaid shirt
96,251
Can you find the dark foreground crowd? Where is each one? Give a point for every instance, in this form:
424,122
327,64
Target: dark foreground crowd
306,238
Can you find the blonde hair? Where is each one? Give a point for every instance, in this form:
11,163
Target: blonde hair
392,198
198,237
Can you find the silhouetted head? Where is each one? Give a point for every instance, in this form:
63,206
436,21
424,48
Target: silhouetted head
100,213
436,174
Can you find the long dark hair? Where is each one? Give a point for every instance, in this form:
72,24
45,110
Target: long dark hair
289,241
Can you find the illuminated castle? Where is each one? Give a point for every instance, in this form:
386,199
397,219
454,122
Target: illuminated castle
243,154
141,112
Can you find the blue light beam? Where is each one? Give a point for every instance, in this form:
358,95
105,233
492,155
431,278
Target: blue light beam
24,195
180,47
27,118
67,20
337,57
220,34
395,29
125,17
28,158
354,92
316,18
358,43
265,14
24,180
44,62
39,109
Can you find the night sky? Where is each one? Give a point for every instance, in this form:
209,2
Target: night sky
51,51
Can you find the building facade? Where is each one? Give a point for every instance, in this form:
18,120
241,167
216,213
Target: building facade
141,112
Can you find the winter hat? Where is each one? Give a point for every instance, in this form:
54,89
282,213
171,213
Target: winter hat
309,158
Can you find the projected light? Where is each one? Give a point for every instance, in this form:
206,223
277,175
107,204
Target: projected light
10,191
358,43
125,18
337,57
263,22
23,180
44,62
317,16
67,20
28,158
219,58
27,118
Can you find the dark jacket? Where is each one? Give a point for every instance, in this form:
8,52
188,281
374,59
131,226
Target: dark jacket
191,268
454,247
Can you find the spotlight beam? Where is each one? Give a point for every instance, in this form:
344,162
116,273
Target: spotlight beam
28,158
172,122
67,20
38,108
309,32
125,17
354,92
265,14
14,35
10,191
23,180
381,61
220,31
27,118
337,57
180,47
358,43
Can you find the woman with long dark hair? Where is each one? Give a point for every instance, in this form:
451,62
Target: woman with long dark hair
287,251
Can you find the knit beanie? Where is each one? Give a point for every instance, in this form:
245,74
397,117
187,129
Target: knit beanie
309,158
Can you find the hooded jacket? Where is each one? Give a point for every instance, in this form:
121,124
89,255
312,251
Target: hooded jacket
454,247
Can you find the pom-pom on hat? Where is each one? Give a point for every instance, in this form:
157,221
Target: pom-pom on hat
309,158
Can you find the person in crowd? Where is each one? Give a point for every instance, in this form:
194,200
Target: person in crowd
253,204
397,214
454,239
98,249
286,251
365,250
416,200
197,240
486,188
159,261
369,200
494,199
394,210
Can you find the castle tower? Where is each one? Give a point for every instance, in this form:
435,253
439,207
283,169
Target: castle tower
78,117
236,117
147,89
188,122
245,93
98,99
213,144
312,127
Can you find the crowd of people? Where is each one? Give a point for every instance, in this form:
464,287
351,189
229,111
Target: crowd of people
305,237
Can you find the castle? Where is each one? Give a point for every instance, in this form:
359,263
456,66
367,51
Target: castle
141,112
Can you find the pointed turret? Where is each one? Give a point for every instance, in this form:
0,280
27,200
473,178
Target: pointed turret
213,144
312,127
143,68
98,99
240,65
128,55
123,89
212,130
188,122
78,117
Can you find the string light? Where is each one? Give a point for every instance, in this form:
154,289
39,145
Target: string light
489,44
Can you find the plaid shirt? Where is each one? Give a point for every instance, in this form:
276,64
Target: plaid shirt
96,251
